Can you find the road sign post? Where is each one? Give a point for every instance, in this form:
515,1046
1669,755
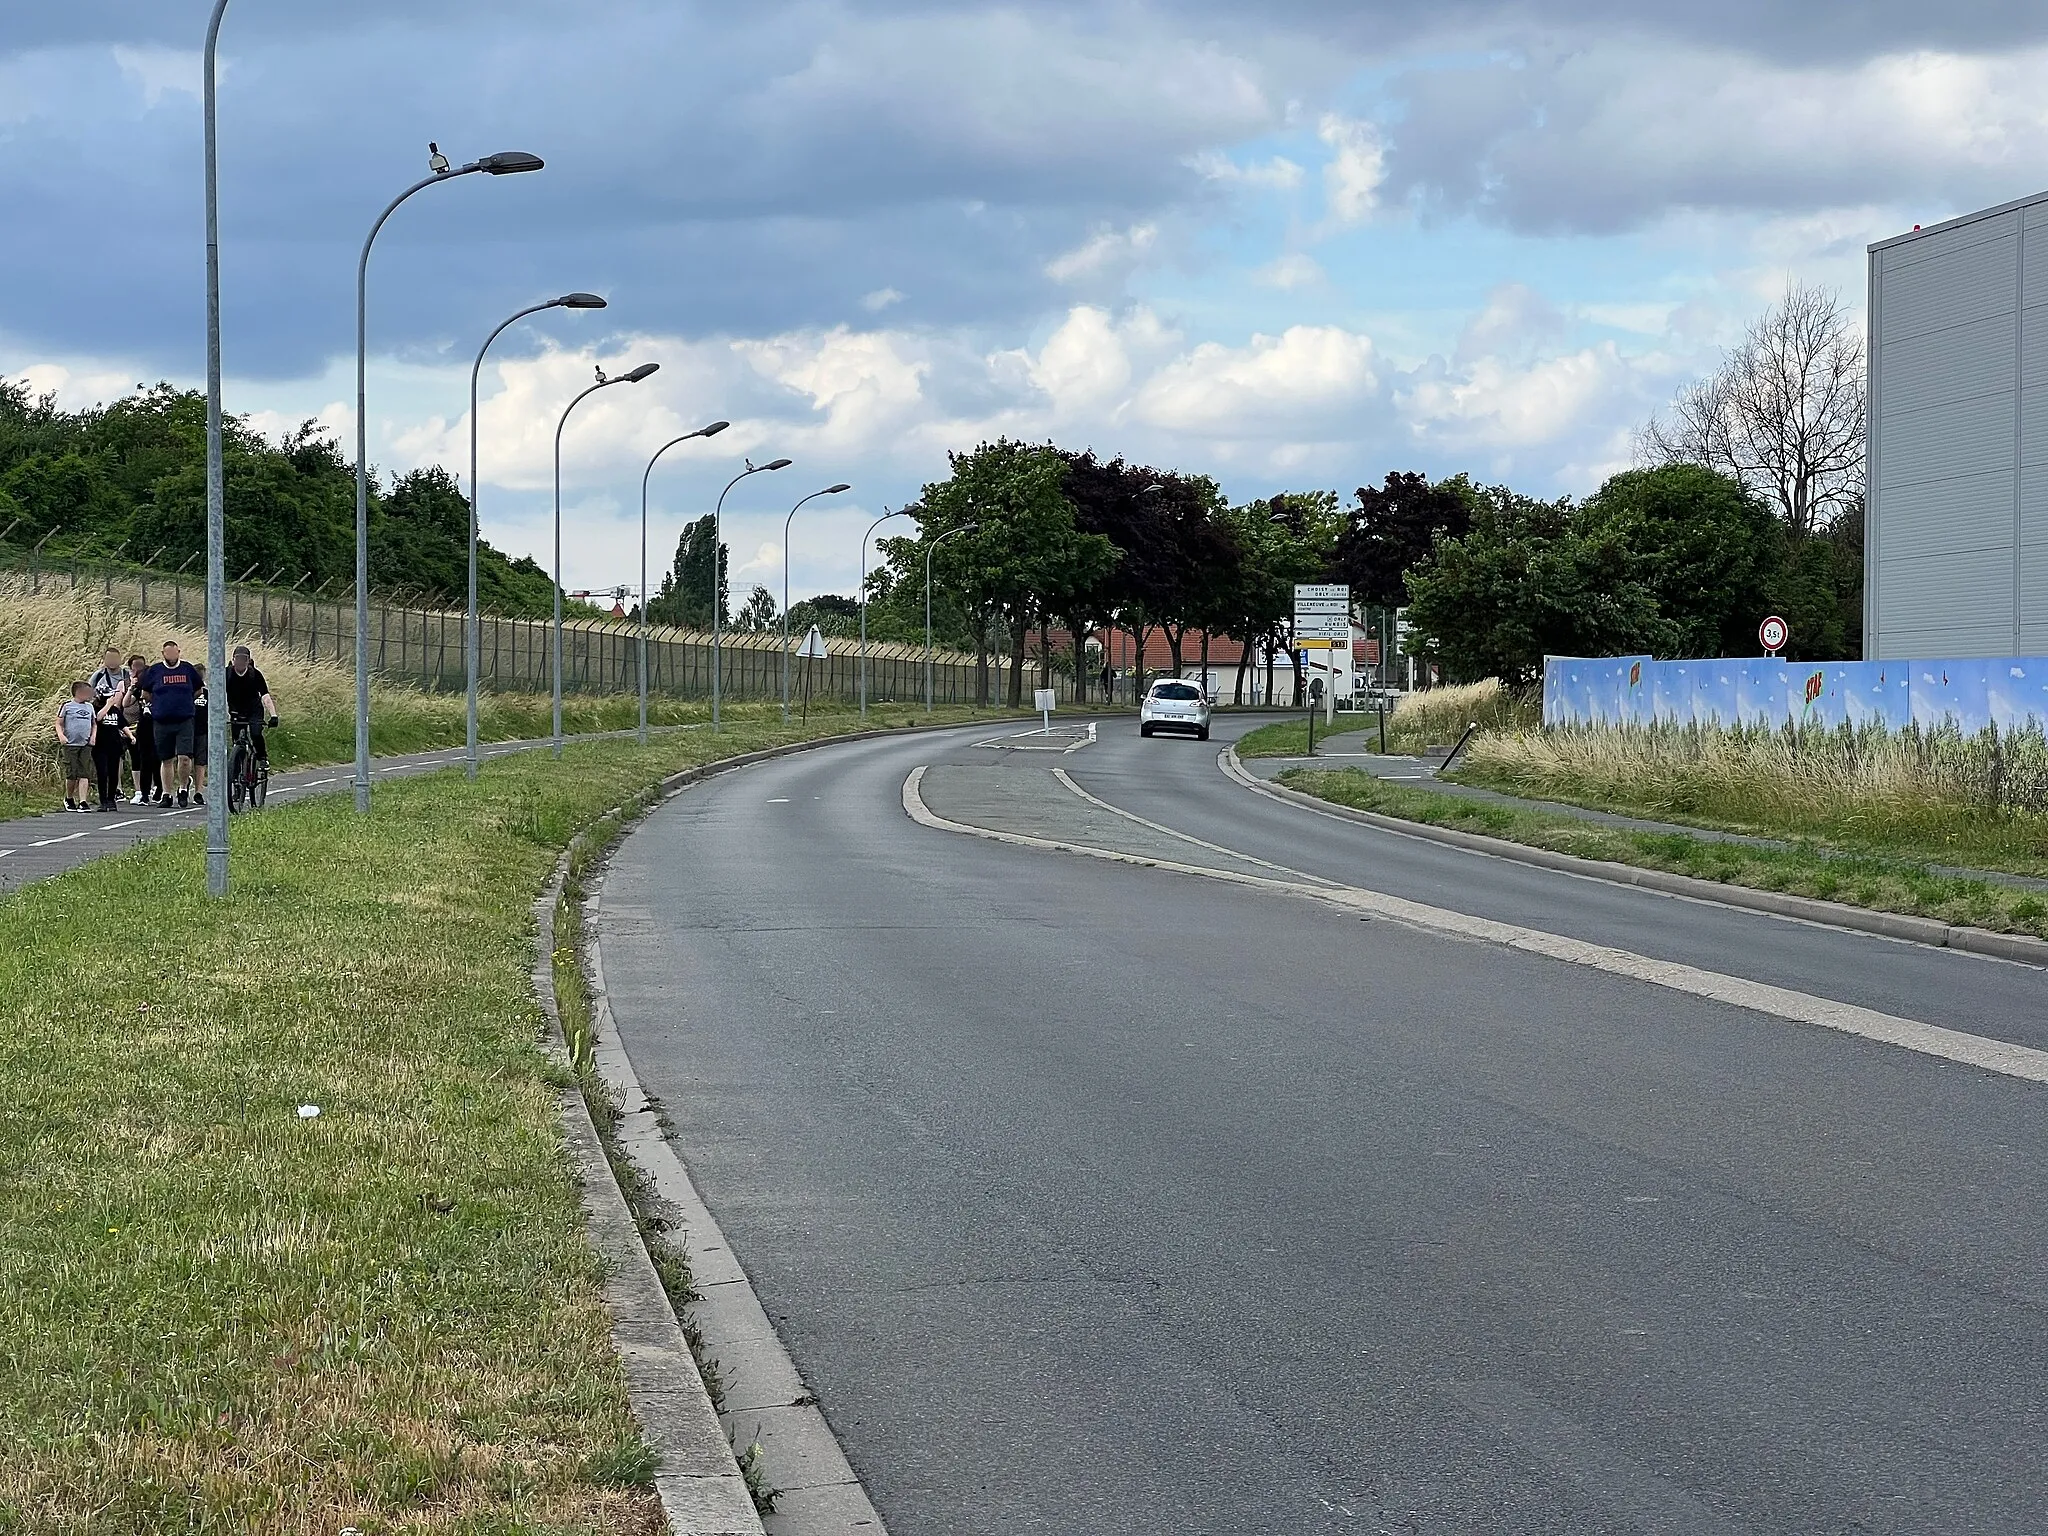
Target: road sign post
1043,700
1773,632
1322,621
812,648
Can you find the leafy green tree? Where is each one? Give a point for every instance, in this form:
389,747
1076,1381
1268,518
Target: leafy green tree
685,596
1704,547
1392,528
1025,554
1817,587
757,613
836,617
1530,579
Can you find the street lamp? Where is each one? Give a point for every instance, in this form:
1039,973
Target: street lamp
216,506
864,606
471,624
718,570
929,550
505,163
830,490
713,430
645,370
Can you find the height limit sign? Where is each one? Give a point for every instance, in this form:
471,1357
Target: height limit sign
1322,613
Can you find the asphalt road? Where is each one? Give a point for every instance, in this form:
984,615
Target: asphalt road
1097,1198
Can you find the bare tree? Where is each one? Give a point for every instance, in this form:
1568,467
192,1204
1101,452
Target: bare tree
1783,414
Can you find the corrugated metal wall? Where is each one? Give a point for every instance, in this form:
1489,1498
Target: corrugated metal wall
1956,543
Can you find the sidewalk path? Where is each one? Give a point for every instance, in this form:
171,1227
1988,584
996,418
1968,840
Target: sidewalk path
34,847
1342,751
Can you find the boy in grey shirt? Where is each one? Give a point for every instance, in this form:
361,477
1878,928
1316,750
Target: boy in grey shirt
76,729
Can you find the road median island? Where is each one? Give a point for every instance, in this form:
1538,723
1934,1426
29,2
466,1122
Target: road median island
1895,897
290,1238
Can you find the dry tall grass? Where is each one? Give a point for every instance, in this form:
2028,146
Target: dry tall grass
1440,715
49,640
1876,783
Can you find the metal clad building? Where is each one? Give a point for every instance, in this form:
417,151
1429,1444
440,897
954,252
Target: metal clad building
1956,541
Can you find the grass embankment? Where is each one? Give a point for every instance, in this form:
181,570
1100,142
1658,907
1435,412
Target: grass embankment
1932,796
1881,882
50,640
216,1315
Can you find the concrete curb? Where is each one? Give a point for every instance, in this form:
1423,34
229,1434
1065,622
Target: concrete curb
1891,925
700,1487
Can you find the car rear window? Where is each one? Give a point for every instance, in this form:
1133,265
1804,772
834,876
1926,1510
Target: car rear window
1176,691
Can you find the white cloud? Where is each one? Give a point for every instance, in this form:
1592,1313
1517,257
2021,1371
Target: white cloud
858,382
874,303
1296,269
1278,174
1489,403
1108,253
157,70
1356,167
1308,377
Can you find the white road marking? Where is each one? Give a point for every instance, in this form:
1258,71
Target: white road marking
1759,997
49,842
1243,858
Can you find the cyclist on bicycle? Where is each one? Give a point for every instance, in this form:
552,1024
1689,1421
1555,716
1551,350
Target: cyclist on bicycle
249,699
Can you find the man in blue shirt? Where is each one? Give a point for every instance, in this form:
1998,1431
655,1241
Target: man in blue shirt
172,686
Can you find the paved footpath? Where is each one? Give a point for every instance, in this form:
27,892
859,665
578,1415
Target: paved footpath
33,847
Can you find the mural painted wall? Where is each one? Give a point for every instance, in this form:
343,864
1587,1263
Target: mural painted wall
1971,693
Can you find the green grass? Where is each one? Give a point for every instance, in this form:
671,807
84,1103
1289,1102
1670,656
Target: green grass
218,1316
413,722
1877,881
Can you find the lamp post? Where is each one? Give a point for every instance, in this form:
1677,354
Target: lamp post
216,515
718,570
470,623
643,371
929,551
509,162
864,607
830,490
713,430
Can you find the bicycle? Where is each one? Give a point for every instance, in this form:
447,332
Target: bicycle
248,774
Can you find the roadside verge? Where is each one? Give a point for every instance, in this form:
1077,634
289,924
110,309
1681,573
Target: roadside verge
1892,925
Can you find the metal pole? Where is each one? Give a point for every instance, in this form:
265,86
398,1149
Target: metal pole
362,768
718,572
471,660
931,549
864,607
556,668
830,490
712,430
216,516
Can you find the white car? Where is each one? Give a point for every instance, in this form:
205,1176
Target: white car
1174,704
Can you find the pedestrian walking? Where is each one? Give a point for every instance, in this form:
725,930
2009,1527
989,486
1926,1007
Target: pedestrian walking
135,715
109,749
110,688
75,733
199,737
1108,683
173,689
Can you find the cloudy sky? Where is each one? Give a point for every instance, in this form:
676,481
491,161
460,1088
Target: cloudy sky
1296,244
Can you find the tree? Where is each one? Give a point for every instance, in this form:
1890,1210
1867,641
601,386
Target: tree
1783,414
685,596
757,613
836,617
1392,528
1529,579
1704,547
1026,554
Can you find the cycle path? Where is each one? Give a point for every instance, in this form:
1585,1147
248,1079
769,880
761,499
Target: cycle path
36,847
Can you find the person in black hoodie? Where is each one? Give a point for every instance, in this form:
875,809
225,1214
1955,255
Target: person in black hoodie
149,779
